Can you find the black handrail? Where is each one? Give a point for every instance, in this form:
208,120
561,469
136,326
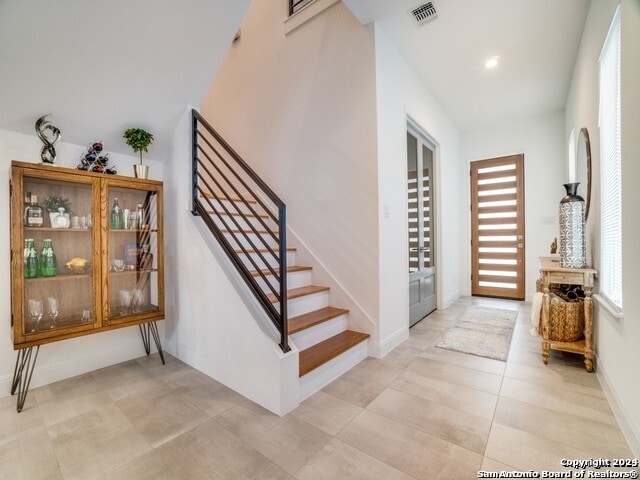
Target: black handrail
224,187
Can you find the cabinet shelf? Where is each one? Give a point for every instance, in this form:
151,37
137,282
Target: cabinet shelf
61,277
58,230
133,230
133,272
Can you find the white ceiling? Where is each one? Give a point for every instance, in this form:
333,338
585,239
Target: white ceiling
102,66
537,42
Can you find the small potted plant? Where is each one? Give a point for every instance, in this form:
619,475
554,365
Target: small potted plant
58,207
139,140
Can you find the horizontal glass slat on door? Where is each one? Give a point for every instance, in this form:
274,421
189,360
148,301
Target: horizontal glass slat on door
507,262
497,221
512,286
498,273
496,169
491,179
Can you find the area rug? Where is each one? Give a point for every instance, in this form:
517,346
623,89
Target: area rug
481,331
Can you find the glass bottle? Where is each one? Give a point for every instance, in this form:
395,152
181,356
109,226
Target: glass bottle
48,266
34,214
30,259
141,221
115,220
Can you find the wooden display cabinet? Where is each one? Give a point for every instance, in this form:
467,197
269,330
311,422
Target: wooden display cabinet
104,295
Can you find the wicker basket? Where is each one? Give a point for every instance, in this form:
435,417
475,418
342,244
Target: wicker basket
566,321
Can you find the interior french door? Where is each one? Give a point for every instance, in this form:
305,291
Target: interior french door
497,227
421,223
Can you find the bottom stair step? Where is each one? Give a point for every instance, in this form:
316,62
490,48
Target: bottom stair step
330,348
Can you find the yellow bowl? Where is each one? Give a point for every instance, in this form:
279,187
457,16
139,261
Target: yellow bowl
78,268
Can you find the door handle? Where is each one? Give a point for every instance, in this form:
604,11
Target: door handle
424,249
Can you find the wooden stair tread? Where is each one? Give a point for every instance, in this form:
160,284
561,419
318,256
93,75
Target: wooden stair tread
299,292
322,352
264,250
230,199
266,271
307,320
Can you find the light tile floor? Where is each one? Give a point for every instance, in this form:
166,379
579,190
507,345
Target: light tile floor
419,413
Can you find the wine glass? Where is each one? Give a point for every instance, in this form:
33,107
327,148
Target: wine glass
125,302
52,304
138,299
35,313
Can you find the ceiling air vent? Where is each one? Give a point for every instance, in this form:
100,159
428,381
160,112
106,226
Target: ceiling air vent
423,13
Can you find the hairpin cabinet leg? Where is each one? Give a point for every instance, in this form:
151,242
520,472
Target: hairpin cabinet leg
25,363
148,330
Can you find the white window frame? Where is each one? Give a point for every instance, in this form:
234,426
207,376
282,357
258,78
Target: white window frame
304,14
611,265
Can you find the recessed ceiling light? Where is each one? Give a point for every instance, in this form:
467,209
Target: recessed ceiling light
492,62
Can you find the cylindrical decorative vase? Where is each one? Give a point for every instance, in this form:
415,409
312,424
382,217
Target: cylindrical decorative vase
573,250
140,170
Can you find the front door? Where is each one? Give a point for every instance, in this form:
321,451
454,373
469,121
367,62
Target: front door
497,227
422,268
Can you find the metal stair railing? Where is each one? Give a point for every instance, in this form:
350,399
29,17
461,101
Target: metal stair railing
226,189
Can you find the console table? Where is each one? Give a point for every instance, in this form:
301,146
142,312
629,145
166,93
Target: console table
551,273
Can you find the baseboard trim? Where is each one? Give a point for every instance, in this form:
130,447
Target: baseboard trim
631,433
391,342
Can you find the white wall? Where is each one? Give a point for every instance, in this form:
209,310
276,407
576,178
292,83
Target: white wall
400,94
300,109
542,141
616,340
60,360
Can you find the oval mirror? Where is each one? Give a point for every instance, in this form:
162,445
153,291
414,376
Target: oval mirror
583,169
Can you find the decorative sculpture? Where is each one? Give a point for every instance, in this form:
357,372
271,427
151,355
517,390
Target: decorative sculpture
48,151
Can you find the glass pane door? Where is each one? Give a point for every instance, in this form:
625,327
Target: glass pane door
58,270
132,225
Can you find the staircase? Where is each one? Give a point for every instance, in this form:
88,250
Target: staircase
319,331
248,220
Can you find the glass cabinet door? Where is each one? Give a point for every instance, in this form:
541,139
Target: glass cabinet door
133,238
57,271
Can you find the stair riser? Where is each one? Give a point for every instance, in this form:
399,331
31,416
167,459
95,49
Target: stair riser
259,241
291,260
327,373
243,222
307,303
294,280
316,334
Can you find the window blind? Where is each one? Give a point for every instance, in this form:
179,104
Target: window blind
611,167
